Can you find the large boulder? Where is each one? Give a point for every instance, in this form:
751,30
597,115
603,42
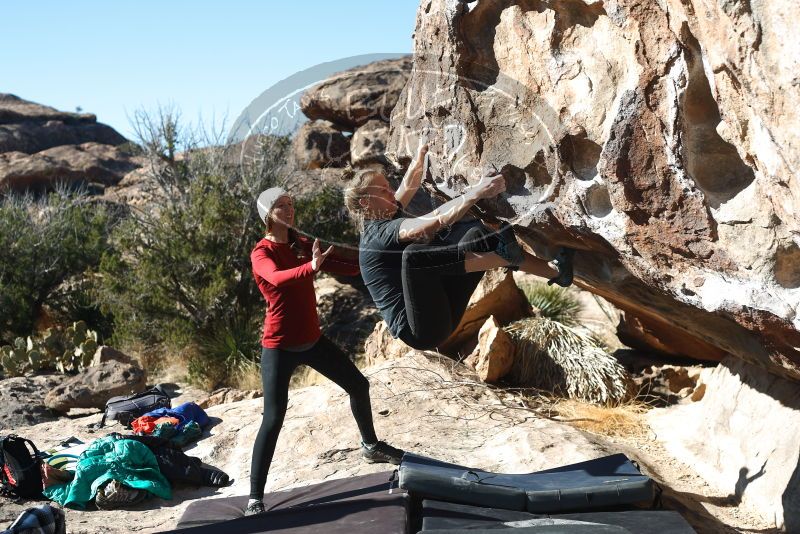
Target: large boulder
93,386
14,109
40,145
30,127
320,144
136,189
368,144
742,438
353,97
658,139
22,400
653,334
88,163
34,137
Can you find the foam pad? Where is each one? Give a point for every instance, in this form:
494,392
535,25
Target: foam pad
439,516
603,482
354,505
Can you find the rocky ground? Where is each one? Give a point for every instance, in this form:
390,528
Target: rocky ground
424,404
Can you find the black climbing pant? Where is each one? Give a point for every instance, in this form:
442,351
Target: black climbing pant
436,287
276,369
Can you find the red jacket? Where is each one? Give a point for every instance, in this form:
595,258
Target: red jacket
287,284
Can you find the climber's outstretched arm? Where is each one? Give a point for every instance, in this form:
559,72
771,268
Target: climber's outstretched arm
413,177
423,228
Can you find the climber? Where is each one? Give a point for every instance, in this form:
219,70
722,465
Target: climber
284,264
421,279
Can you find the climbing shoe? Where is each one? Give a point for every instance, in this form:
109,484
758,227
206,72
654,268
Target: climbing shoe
509,248
563,263
253,508
381,452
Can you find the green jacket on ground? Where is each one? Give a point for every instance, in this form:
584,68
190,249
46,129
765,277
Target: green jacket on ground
111,458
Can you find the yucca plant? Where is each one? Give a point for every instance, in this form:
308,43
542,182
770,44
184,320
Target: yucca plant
553,302
226,352
560,358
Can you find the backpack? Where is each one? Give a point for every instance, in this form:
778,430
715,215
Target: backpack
126,409
20,468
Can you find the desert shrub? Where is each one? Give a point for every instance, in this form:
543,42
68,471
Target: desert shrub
554,353
554,302
228,355
564,360
179,275
322,215
49,242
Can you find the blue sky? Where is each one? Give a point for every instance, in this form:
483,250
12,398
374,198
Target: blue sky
206,58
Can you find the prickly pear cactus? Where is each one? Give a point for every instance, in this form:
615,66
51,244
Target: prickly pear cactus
36,361
12,358
68,350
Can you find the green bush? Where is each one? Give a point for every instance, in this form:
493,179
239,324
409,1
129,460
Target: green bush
46,242
554,302
322,215
179,275
226,354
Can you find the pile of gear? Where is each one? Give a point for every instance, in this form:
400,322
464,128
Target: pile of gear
113,471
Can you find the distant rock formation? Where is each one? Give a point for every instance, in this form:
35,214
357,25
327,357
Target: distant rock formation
356,96
40,146
358,101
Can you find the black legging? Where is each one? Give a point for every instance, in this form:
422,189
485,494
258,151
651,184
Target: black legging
276,369
436,288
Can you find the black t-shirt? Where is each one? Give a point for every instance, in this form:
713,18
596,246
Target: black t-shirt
380,257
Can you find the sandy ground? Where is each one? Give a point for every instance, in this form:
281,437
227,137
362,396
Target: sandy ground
421,405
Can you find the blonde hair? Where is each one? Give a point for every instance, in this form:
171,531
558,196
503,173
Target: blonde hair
358,182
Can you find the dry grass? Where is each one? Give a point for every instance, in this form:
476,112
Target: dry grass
247,376
625,420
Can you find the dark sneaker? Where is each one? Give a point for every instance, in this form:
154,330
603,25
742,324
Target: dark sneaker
115,494
509,248
564,264
215,478
381,452
254,508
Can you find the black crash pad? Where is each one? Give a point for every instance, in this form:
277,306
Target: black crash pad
554,528
600,483
438,516
352,505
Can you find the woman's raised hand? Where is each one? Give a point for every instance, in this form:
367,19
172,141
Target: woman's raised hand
490,186
422,149
317,256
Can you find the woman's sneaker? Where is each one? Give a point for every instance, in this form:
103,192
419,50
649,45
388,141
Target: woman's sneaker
381,452
254,508
115,494
564,265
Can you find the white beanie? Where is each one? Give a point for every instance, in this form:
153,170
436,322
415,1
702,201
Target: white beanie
267,199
